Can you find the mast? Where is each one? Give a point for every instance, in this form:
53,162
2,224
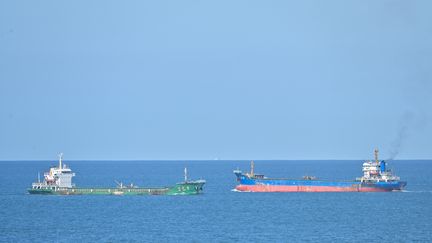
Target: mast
185,174
252,168
376,155
60,160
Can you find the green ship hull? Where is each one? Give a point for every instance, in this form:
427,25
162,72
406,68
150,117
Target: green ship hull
184,188
58,181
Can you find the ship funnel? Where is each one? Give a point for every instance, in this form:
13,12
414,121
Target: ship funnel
382,166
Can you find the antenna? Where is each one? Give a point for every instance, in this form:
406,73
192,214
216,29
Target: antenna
185,174
252,168
38,177
60,160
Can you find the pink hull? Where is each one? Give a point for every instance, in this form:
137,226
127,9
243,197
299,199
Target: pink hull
270,188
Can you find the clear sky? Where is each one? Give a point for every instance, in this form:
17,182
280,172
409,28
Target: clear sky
215,79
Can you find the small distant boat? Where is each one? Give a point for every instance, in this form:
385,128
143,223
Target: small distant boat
376,178
58,181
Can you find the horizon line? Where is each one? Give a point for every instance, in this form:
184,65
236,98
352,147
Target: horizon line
29,160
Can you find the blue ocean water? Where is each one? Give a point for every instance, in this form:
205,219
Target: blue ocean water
218,215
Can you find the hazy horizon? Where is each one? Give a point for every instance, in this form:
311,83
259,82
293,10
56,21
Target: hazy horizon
215,160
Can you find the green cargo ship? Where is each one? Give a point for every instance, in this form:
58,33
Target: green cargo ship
58,181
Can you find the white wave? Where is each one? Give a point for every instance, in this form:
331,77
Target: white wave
235,190
417,191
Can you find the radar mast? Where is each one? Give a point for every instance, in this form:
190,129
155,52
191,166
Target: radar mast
60,160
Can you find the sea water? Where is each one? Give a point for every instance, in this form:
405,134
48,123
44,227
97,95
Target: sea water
219,214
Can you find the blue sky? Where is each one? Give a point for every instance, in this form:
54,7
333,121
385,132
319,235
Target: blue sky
215,79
